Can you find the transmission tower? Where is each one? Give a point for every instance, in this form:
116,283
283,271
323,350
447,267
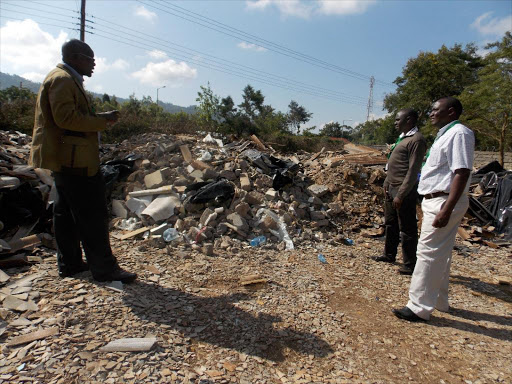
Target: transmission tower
369,108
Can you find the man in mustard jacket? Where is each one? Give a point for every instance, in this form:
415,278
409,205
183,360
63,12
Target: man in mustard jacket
65,141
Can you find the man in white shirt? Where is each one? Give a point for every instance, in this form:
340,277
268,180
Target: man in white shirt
444,185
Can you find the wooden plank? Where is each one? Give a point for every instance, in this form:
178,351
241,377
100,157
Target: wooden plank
186,153
198,164
24,242
130,345
38,335
134,233
258,143
166,189
463,233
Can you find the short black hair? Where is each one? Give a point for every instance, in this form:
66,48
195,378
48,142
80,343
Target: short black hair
74,46
412,113
452,102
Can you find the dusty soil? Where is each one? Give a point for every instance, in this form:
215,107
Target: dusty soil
310,323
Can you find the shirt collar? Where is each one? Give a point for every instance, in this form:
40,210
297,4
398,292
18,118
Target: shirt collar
444,129
75,74
410,133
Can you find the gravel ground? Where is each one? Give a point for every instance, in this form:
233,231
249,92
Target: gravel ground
309,323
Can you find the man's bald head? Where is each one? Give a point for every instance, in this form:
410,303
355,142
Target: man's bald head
452,102
73,47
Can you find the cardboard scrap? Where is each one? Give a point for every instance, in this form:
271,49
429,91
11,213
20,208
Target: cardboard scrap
134,344
37,335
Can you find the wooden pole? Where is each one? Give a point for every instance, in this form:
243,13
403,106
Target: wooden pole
82,21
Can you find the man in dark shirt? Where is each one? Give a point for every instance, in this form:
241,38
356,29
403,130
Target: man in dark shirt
400,187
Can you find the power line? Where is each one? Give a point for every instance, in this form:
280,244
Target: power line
216,67
31,14
41,23
183,49
241,35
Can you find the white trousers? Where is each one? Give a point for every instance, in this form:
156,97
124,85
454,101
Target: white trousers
429,283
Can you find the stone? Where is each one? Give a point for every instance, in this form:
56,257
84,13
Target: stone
245,182
207,249
154,180
119,209
318,190
130,345
317,215
271,194
205,215
243,209
238,221
230,175
254,198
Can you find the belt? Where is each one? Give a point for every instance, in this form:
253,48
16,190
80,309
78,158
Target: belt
435,194
67,132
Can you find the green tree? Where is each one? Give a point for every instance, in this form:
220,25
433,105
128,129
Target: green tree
209,107
335,129
17,106
430,76
252,104
297,115
379,132
488,102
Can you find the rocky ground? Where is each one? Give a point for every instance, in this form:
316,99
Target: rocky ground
309,323
212,308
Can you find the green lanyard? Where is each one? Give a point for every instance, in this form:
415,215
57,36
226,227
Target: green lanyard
437,138
394,145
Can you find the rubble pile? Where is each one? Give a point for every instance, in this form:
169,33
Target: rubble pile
217,195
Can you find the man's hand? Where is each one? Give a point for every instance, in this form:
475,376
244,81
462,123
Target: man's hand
397,203
442,218
111,116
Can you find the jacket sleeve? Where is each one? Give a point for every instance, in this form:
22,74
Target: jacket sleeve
417,151
65,108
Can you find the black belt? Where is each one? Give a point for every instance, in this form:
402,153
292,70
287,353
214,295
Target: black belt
435,194
67,132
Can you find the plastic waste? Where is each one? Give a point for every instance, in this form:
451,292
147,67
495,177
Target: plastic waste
170,234
205,156
257,241
129,224
321,258
348,242
281,233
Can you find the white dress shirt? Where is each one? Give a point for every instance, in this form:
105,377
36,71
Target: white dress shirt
453,149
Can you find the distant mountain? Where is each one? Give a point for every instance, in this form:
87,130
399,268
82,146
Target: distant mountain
7,81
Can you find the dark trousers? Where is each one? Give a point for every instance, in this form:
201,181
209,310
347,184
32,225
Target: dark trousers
401,221
80,215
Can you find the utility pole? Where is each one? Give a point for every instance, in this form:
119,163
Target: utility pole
369,108
82,21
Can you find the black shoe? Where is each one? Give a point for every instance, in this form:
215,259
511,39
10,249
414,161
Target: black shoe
118,274
406,314
406,271
384,258
71,271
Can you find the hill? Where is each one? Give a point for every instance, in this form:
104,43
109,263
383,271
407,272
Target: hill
7,80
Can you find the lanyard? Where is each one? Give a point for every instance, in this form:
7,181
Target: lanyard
438,137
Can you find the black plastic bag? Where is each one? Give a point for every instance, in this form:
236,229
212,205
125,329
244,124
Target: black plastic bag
215,192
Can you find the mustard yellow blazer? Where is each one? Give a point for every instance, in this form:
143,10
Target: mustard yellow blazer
65,137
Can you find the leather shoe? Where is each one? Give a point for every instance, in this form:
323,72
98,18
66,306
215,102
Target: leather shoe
406,314
71,271
118,274
384,258
405,271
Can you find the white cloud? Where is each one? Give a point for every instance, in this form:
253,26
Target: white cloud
169,72
157,54
28,51
306,9
145,13
345,7
492,26
102,65
249,46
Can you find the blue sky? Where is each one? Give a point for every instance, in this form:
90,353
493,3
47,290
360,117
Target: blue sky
361,38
